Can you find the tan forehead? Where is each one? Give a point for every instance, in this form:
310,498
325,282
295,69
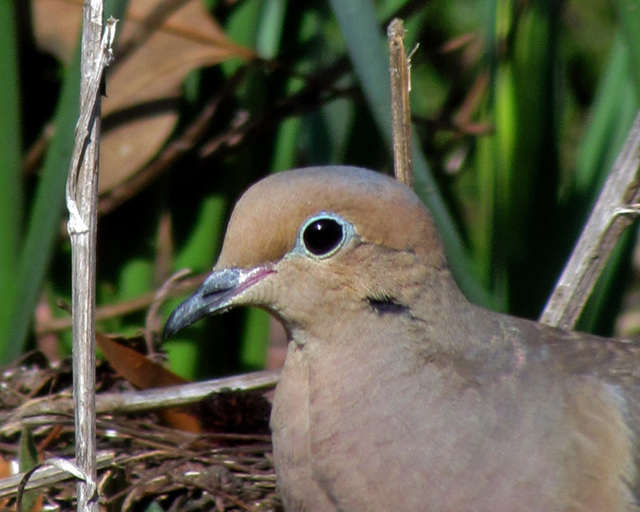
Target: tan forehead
265,222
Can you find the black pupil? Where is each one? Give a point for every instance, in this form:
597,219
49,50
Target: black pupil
322,236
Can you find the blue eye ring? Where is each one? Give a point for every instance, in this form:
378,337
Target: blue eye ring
323,234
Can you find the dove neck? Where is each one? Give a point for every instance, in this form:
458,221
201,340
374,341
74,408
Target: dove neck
419,319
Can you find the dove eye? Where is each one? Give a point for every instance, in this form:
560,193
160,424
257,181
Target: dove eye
321,236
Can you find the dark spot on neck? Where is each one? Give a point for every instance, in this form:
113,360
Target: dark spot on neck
387,305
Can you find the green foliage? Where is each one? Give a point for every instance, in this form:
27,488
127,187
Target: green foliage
520,110
11,225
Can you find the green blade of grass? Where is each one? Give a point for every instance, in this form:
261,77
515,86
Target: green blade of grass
47,210
529,203
46,214
270,28
10,167
629,16
612,114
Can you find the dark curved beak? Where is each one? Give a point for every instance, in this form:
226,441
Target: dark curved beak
212,297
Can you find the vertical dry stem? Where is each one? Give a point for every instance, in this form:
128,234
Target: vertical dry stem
400,104
82,194
614,211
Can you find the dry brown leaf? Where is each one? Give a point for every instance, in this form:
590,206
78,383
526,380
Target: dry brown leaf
145,374
140,108
5,468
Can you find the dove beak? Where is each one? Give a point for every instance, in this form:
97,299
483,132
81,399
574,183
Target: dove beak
219,293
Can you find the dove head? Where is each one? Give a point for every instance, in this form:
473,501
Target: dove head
311,241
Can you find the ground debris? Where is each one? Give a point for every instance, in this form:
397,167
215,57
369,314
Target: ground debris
227,467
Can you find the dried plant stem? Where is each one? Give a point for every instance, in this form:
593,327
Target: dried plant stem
615,210
82,194
400,104
41,410
46,476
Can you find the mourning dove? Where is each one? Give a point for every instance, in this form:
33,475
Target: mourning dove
397,394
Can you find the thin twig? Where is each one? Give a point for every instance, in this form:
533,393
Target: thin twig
46,476
321,88
152,322
142,302
64,465
615,209
34,411
399,69
81,196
